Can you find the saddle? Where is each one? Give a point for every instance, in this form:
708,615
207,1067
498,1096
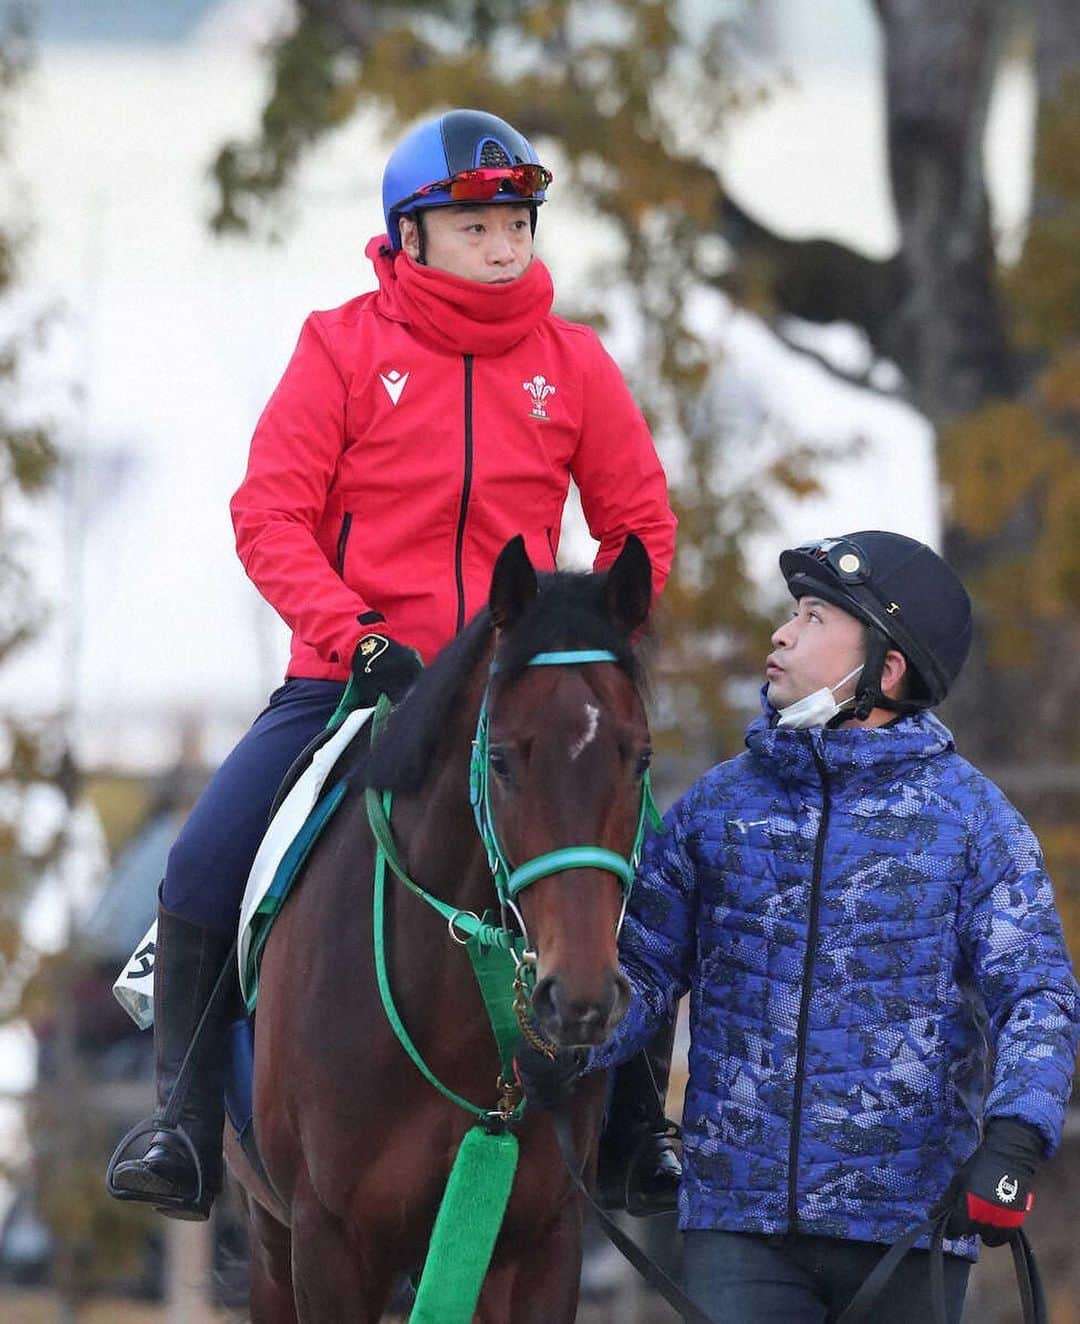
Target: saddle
312,790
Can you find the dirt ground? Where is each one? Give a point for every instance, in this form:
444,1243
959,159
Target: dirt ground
991,1298
38,1307
41,1307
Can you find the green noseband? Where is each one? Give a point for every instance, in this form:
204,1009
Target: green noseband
510,881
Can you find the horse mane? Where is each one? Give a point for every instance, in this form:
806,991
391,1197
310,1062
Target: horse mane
568,612
401,758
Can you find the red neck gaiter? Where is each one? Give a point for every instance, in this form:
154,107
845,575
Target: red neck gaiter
451,313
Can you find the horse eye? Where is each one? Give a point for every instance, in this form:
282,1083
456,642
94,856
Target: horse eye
498,763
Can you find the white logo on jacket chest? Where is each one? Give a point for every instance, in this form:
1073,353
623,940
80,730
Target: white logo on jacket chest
394,382
539,389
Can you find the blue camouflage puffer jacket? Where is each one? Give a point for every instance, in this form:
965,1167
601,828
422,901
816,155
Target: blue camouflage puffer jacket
857,913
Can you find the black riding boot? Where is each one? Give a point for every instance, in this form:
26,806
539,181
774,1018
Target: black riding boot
187,961
638,1168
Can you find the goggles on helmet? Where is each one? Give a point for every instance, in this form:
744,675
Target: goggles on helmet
483,183
847,564
851,566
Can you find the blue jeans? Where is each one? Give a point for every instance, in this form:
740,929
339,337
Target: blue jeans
754,1279
211,858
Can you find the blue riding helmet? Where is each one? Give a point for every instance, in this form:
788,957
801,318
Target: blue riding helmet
442,148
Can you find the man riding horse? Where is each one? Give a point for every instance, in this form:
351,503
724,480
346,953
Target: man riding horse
416,429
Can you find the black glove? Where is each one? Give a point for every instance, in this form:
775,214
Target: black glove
991,1194
548,1082
381,665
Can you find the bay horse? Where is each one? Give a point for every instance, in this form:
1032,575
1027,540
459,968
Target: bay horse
357,1145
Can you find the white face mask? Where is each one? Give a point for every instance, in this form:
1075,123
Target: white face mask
817,708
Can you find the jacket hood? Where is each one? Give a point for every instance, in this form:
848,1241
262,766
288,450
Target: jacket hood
845,752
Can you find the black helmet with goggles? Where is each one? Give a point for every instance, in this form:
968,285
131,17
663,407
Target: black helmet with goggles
906,593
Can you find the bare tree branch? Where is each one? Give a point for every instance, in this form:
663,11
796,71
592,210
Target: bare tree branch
819,280
863,380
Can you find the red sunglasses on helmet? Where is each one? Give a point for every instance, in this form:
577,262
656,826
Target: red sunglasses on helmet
484,182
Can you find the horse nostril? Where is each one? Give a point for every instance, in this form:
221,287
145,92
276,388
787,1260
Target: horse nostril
584,1020
543,1001
620,999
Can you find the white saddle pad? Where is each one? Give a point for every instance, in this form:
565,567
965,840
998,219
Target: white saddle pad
134,989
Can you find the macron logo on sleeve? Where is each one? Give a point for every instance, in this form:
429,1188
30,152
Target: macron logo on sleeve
394,382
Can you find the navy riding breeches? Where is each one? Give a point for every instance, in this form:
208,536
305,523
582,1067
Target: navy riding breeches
210,861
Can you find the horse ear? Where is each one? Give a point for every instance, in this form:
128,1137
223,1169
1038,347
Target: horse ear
628,587
513,584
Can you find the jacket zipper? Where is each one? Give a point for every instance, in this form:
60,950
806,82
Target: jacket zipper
804,1001
459,573
342,543
551,549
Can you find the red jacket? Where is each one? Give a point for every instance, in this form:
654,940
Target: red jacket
386,474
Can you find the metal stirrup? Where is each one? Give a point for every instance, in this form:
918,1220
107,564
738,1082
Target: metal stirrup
169,1117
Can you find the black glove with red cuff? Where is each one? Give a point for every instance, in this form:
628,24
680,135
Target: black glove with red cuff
991,1195
381,665
548,1082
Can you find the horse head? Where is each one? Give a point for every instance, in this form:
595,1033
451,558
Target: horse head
568,752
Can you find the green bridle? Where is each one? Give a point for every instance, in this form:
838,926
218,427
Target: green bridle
484,939
509,881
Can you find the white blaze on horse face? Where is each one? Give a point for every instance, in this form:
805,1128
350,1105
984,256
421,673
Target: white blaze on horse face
592,721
